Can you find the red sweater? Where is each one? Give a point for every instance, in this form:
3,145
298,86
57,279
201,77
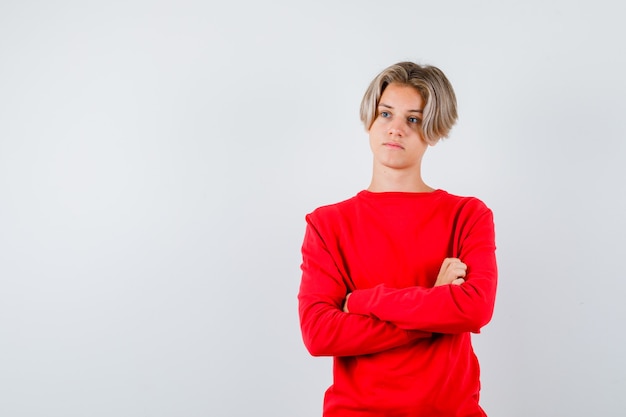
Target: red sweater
404,349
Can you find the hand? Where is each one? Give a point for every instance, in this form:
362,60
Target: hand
345,304
452,272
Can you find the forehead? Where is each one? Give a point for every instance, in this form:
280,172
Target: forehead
401,95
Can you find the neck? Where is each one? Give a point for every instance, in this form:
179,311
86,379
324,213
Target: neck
385,179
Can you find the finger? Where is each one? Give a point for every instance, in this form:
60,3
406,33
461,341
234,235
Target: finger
452,260
457,270
449,261
447,265
458,281
345,303
455,262
460,272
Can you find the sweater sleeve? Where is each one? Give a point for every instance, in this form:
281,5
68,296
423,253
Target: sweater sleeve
326,329
448,308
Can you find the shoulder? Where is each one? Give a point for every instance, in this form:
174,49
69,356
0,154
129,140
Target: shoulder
463,202
329,212
465,208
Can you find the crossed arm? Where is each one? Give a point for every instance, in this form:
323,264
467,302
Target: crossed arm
326,329
337,322
452,272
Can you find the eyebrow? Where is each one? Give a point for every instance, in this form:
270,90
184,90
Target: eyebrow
387,106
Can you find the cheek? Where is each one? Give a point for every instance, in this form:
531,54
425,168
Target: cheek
377,128
372,140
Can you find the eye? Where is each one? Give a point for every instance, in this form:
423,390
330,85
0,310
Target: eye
414,120
384,114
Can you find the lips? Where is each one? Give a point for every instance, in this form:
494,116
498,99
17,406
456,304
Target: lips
393,145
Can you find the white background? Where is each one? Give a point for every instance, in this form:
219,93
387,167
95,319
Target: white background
157,159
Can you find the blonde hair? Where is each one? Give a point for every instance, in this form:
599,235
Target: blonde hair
440,110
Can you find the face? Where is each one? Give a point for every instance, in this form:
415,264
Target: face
395,136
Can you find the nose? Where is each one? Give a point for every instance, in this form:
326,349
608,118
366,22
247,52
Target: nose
396,129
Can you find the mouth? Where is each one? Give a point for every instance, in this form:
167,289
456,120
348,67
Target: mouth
393,145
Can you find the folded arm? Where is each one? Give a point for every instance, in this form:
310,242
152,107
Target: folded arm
326,329
460,306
